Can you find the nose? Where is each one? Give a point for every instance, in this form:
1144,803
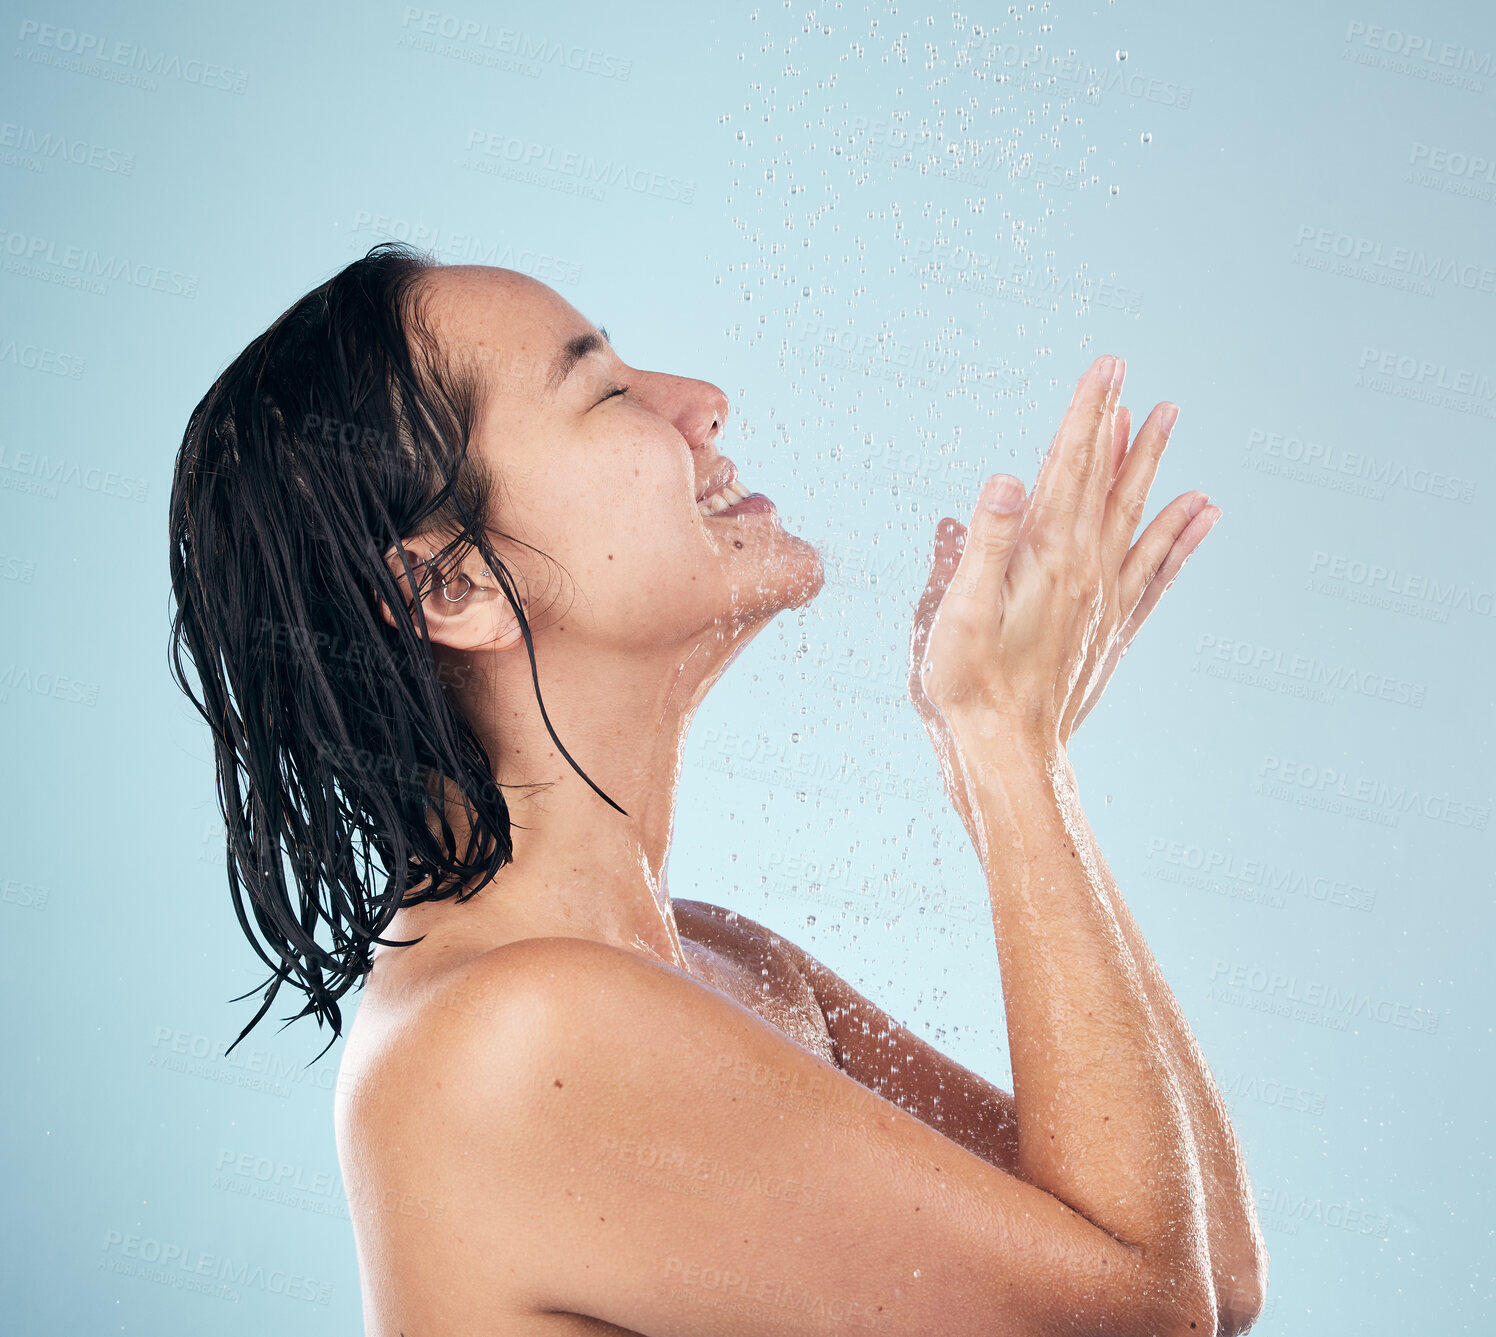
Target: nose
697,409
700,411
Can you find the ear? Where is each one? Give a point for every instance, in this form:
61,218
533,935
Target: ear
480,618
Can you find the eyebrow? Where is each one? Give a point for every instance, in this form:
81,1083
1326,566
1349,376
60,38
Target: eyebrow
572,352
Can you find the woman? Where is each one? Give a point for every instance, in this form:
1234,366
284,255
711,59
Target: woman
569,1104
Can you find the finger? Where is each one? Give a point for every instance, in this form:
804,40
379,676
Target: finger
1129,494
976,585
1070,492
949,534
1161,550
947,554
1078,428
1192,536
1120,437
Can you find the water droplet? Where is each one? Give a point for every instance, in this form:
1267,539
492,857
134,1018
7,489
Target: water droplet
1121,55
1147,136
1116,190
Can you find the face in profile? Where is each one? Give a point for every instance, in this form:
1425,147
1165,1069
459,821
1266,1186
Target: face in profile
615,475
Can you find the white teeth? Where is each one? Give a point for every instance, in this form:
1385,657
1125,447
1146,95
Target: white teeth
720,501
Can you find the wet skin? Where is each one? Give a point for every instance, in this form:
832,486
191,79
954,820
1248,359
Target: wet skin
514,1083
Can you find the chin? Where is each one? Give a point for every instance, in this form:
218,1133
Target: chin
791,578
813,578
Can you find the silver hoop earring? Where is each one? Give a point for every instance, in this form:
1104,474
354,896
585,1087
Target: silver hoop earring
458,598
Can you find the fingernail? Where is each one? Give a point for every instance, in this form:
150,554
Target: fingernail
1168,418
1003,496
1119,372
1197,504
1106,369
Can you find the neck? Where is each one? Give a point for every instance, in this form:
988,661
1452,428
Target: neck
580,868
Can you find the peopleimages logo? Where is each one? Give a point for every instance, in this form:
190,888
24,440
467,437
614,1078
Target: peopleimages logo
463,248
1391,266
38,357
82,266
1314,1000
513,42
41,473
526,159
1350,468
1283,1210
1417,55
1283,776
1254,879
1015,278
92,53
1305,676
1473,167
182,1267
1425,381
1472,176
31,142
1390,581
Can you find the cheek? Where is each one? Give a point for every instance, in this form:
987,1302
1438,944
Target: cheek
643,544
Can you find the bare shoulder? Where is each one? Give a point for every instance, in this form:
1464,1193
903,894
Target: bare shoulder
441,1099
501,1002
732,930
459,1042
571,1129
464,1050
715,926
881,1053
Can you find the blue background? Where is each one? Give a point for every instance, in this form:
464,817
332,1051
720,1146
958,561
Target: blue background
894,240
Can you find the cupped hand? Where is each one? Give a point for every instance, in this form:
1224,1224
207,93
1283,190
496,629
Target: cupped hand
1028,610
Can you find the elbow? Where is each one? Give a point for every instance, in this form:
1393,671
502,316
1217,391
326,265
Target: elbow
1199,1300
1185,1306
1241,1295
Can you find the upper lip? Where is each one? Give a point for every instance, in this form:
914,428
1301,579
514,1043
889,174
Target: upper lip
725,473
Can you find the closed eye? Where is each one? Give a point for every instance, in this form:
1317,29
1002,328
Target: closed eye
616,390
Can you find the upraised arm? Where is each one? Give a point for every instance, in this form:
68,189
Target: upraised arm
1019,635
1131,581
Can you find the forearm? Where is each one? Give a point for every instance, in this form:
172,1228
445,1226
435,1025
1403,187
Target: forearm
1102,1124
1237,1252
1238,1256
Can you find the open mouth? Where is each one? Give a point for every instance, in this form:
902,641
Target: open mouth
714,503
726,497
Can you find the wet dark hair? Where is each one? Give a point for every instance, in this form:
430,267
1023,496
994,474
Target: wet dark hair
335,435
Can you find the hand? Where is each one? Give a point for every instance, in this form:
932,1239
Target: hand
1067,495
